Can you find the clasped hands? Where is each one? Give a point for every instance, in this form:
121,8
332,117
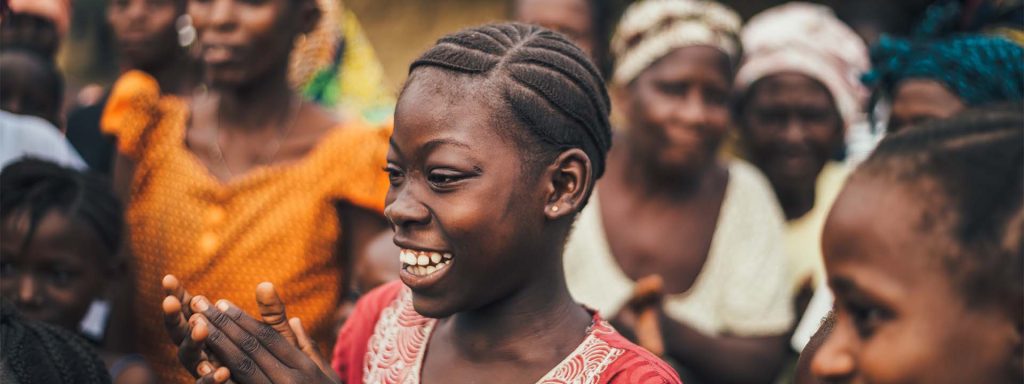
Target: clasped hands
219,343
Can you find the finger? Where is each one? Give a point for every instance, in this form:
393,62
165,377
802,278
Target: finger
249,328
174,321
272,310
172,286
229,352
309,347
190,349
215,376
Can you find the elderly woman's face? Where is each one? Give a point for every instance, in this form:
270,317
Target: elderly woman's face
916,101
678,109
791,127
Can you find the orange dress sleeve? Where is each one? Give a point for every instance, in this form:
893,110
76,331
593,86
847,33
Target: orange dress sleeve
358,157
132,109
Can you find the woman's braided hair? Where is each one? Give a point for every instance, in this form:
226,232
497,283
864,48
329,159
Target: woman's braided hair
548,84
36,352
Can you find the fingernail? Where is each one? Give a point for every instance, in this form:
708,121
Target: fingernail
223,305
200,304
204,369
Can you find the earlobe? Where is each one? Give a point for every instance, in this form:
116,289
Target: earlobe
570,184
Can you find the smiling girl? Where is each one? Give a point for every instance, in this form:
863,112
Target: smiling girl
500,133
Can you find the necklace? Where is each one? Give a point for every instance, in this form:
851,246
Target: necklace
269,154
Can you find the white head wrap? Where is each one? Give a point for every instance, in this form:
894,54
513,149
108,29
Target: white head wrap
807,39
651,29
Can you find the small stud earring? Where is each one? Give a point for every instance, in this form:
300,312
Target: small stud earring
554,208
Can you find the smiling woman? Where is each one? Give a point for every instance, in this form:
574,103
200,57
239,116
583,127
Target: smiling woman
500,134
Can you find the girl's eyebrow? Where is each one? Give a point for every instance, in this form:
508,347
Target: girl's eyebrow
431,145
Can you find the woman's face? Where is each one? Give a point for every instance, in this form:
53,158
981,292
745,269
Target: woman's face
916,101
459,200
56,276
678,109
245,40
791,127
571,18
900,319
145,30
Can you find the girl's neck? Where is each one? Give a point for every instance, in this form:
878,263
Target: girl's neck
257,105
512,328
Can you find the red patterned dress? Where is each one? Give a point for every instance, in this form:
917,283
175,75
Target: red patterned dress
385,339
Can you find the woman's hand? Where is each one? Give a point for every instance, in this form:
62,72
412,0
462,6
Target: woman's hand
639,317
254,352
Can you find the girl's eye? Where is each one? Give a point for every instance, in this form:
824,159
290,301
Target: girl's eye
395,175
60,277
444,178
867,318
8,269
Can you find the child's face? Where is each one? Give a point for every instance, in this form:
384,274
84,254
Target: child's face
56,276
900,318
458,195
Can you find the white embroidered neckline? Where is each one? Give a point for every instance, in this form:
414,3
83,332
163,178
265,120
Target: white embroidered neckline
397,347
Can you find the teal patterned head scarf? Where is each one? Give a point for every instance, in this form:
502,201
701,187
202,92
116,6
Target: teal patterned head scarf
980,69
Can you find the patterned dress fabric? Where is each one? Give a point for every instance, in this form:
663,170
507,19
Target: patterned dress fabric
385,342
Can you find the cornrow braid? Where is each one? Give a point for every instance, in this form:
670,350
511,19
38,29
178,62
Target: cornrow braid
549,84
974,163
35,187
36,352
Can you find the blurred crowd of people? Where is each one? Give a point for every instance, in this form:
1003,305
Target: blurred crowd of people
810,195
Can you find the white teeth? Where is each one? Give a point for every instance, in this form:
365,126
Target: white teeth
447,256
423,260
431,269
435,257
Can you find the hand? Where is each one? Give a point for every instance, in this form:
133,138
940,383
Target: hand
640,314
191,351
254,352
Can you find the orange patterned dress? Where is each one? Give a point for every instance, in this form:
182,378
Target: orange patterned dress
277,223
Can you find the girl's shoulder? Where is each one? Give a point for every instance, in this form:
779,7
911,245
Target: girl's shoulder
628,362
352,344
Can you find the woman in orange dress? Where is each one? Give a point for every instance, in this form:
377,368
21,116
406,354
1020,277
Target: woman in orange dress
246,182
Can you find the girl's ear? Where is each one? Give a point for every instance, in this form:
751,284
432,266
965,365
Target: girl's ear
309,16
569,182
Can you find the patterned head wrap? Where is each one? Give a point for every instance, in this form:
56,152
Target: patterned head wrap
335,65
651,29
979,69
807,39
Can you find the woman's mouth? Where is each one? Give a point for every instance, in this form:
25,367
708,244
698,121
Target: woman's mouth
424,263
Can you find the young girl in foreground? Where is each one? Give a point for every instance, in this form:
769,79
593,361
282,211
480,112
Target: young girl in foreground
923,250
500,133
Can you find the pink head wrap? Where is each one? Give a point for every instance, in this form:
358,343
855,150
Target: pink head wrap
807,39
58,11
